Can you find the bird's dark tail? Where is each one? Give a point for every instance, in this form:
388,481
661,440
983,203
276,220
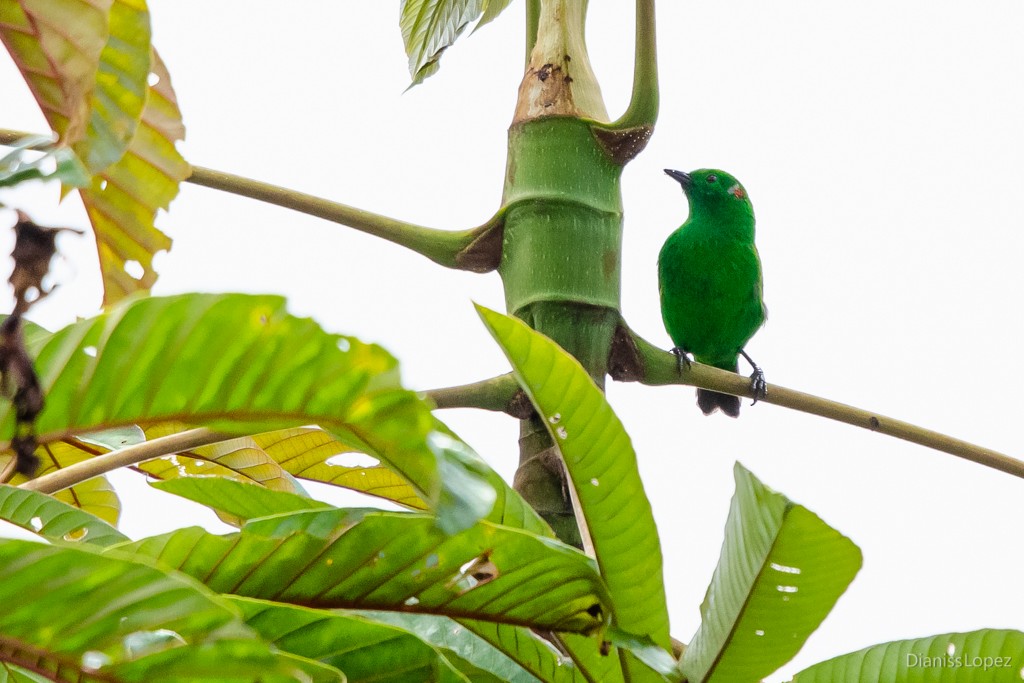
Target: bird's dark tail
710,401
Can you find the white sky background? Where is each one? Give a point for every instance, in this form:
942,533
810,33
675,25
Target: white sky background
880,142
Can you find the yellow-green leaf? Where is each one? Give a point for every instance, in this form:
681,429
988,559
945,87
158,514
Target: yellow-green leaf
57,46
95,496
123,200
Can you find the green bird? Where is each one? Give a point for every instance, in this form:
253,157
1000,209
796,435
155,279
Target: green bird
709,276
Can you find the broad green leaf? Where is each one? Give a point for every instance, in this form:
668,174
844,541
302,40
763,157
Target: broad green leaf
602,466
57,47
361,559
364,649
53,519
240,364
124,198
240,459
237,499
312,453
780,573
539,657
95,496
429,27
475,656
986,656
120,86
58,616
221,661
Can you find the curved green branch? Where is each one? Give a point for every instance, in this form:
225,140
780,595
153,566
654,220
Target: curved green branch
643,105
532,25
131,455
477,249
499,394
635,359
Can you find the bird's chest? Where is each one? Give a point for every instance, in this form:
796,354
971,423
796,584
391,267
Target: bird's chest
709,291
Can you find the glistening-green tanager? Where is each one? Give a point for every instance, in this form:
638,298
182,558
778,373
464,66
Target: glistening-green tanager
709,276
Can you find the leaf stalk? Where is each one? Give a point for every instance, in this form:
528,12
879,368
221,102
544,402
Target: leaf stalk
124,457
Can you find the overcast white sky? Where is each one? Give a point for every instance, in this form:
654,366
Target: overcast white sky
880,142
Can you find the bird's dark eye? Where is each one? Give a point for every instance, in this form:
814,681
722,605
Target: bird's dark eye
712,178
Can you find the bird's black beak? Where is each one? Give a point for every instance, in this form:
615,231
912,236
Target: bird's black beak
680,177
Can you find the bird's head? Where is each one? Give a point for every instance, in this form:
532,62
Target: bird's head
711,190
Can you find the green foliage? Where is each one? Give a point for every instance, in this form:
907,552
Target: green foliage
388,560
108,96
780,572
123,199
58,163
53,519
595,447
472,586
119,94
429,27
242,364
988,656
596,451
237,500
354,643
59,618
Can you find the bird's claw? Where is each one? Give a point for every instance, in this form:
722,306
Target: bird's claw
758,385
682,358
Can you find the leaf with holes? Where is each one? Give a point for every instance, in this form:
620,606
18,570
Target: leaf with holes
119,92
59,618
602,466
393,561
57,47
242,364
364,649
124,198
780,573
240,459
314,454
988,655
53,519
95,496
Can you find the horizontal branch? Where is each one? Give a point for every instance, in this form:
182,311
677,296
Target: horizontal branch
124,457
500,394
639,360
477,249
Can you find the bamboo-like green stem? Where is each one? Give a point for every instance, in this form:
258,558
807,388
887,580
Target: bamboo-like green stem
657,367
643,105
131,455
499,394
476,249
